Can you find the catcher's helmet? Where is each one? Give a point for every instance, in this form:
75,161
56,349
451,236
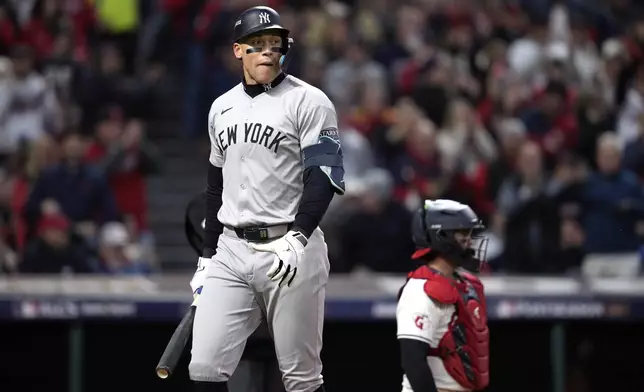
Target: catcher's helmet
258,19
433,231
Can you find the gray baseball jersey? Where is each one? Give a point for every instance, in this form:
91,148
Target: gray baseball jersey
259,142
264,142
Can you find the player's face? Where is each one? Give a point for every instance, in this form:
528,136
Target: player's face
477,244
261,65
464,238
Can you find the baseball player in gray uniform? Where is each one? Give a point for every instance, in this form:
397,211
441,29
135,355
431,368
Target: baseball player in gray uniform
275,165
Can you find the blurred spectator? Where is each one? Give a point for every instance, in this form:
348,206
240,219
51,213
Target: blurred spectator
142,242
126,158
551,122
225,74
372,111
525,53
32,107
39,22
313,67
358,159
118,23
378,236
634,152
6,81
73,188
40,154
62,71
571,254
418,169
568,179
53,250
467,148
358,156
355,68
431,90
8,34
109,85
615,59
8,256
464,142
119,254
613,202
389,142
584,54
594,116
511,134
633,108
526,217
557,66
507,96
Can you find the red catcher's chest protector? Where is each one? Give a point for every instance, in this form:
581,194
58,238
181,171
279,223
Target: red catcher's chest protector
465,347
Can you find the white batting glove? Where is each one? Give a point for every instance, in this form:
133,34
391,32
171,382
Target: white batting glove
199,278
288,252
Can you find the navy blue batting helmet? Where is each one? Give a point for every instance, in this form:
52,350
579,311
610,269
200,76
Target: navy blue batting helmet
260,19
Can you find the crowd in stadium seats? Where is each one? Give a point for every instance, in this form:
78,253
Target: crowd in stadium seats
73,150
531,111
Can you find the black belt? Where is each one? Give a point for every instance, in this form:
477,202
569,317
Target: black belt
260,234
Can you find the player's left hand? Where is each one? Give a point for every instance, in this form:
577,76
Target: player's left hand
288,251
199,278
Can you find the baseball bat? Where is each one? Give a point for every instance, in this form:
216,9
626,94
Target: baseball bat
176,345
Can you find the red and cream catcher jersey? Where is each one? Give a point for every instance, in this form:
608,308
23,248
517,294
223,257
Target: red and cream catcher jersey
450,315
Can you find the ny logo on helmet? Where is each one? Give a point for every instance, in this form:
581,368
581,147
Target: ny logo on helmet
264,18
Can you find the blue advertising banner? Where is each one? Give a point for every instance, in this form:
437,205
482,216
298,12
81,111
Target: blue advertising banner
499,308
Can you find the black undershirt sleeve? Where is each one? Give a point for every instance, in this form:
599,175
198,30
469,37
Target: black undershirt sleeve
413,356
316,197
214,228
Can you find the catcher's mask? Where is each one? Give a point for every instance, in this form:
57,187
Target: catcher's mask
451,230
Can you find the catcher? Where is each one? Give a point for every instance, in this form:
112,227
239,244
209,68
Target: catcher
441,313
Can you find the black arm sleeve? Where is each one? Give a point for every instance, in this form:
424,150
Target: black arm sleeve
413,356
213,203
318,193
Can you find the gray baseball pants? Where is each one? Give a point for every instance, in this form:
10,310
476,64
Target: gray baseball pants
237,294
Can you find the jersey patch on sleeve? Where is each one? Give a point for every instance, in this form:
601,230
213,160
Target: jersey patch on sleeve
421,321
331,133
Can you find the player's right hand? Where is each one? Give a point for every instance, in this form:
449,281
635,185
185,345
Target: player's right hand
199,278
